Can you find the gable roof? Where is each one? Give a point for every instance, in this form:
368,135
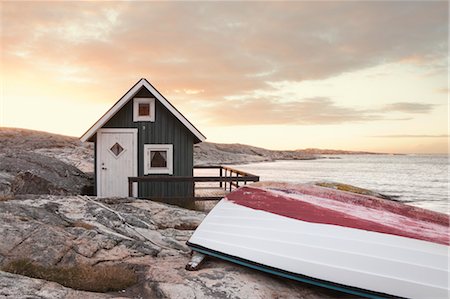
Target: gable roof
128,96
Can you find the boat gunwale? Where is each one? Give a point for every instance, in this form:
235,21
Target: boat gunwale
291,275
352,253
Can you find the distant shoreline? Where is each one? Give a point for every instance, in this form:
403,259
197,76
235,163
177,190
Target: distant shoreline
208,153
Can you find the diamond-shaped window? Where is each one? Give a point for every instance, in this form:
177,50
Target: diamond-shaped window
116,149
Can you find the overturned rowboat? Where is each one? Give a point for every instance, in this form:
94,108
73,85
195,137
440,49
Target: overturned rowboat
353,243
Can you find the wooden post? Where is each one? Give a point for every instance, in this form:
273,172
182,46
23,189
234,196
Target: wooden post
130,188
220,184
225,185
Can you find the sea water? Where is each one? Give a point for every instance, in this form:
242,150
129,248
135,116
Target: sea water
419,180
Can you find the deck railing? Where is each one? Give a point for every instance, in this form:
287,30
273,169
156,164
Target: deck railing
228,178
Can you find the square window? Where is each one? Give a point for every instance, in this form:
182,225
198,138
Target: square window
144,109
158,159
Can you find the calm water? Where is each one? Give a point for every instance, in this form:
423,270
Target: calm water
420,180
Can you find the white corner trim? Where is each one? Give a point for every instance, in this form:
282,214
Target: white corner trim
136,102
129,95
158,170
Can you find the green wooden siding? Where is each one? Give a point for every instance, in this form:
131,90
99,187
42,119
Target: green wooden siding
166,129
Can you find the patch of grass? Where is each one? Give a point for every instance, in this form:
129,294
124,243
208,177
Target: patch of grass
6,197
83,224
345,187
79,277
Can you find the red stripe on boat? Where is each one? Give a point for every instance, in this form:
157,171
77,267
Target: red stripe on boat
383,216
370,202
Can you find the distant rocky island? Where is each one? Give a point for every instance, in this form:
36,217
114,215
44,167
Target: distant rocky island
318,151
207,153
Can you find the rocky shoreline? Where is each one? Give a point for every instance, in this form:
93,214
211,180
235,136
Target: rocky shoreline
45,219
142,235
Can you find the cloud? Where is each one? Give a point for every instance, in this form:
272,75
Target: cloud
442,90
221,48
412,136
407,107
207,53
263,111
256,110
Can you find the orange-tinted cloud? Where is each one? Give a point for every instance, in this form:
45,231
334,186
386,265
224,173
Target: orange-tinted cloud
407,107
309,111
266,111
221,49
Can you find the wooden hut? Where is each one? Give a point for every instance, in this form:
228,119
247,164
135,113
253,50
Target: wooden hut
143,134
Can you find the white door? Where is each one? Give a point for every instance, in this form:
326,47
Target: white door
116,161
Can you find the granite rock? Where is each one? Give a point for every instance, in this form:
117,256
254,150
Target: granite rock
145,235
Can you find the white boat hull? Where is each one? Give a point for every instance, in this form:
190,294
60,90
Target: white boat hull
349,259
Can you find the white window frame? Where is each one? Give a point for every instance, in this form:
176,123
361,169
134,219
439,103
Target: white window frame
158,147
136,102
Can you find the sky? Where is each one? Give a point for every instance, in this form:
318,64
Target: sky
369,76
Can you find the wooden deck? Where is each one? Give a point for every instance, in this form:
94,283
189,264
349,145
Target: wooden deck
210,192
204,187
